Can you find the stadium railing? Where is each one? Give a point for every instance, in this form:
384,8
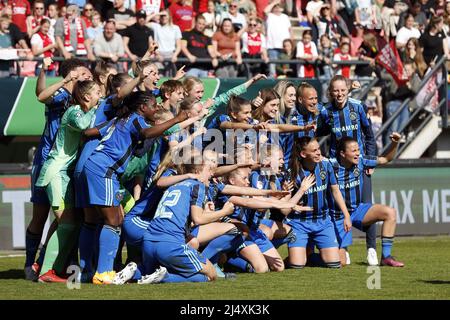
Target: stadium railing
439,71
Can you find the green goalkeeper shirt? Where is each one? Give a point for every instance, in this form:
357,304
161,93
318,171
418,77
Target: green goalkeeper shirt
65,148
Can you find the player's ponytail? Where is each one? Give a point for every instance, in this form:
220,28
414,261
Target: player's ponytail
81,89
116,81
295,163
235,104
133,102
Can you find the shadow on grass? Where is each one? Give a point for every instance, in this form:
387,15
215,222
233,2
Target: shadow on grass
435,281
11,274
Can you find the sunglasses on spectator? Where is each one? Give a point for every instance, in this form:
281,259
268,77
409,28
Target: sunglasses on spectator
233,6
252,25
88,9
39,8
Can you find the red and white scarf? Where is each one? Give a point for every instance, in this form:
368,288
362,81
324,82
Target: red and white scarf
81,49
46,41
37,21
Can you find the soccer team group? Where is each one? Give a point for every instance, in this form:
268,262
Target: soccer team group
124,162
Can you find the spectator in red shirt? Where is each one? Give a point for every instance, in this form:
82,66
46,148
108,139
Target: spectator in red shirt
88,10
20,10
34,20
182,15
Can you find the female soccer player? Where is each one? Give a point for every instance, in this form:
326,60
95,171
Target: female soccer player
109,161
57,99
56,177
307,160
347,117
164,242
349,168
259,255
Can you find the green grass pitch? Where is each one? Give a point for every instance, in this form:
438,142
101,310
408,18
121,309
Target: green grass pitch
425,276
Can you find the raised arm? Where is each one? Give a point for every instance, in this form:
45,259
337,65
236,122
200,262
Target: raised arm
47,93
390,154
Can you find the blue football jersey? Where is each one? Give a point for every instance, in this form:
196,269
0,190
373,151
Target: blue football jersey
115,149
350,183
316,196
172,217
350,121
54,110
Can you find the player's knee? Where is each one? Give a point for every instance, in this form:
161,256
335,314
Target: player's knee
278,266
391,214
260,267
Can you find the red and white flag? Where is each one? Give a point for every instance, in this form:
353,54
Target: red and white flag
390,60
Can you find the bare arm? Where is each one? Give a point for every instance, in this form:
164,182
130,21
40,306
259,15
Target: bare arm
247,191
165,182
337,195
47,93
203,216
292,128
390,154
158,130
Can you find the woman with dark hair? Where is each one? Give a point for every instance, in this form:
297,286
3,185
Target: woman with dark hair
108,162
434,41
406,32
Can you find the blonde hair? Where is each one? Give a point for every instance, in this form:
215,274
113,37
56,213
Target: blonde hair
281,87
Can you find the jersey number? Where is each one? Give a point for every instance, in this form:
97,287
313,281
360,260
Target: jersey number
168,200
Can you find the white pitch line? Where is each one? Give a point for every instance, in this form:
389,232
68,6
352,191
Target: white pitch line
13,256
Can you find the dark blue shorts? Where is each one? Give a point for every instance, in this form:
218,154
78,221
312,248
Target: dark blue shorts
38,194
102,191
178,258
259,238
320,232
133,228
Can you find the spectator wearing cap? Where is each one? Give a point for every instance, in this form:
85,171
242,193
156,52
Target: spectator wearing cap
109,45
182,14
70,34
34,20
137,37
278,29
237,19
168,38
124,17
195,44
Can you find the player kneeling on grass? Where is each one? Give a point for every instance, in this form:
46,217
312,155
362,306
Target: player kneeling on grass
165,240
349,168
315,226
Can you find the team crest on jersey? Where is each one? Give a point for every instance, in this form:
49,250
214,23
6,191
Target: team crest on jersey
119,196
356,172
259,185
353,116
322,174
78,115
